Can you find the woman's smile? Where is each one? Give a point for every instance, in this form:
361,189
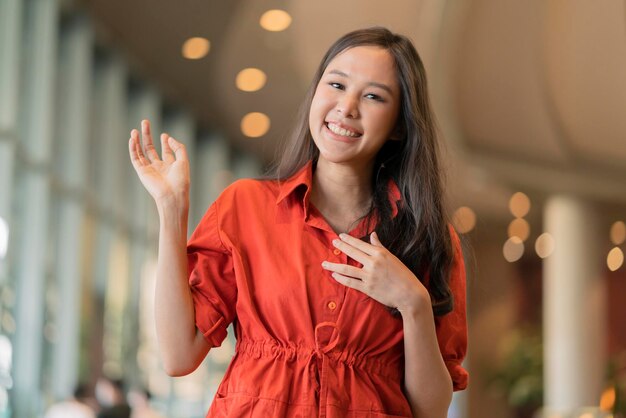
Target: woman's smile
355,106
343,130
339,133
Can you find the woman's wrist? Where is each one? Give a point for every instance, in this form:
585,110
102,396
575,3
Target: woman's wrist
416,304
173,203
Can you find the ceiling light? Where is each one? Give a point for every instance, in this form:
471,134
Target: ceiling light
255,124
519,228
544,245
275,20
513,249
250,79
615,259
196,48
464,219
618,233
519,205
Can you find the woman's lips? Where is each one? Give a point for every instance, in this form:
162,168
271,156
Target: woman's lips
342,138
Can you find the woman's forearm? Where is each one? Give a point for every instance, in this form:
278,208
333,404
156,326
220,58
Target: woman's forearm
182,346
428,385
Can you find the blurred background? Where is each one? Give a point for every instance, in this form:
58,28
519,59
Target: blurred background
530,98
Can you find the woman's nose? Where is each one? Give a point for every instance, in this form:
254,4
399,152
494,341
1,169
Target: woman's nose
348,106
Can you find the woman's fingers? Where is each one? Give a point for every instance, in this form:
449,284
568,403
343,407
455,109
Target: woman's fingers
349,281
178,148
351,251
148,144
359,244
166,151
134,149
344,269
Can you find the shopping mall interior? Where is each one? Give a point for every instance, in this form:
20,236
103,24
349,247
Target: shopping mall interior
529,98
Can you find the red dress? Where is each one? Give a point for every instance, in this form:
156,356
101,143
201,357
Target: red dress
307,346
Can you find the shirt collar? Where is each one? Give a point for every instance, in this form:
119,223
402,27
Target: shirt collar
304,177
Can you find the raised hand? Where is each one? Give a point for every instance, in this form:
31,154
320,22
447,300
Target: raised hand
167,178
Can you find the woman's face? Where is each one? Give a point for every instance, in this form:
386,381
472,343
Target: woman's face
355,106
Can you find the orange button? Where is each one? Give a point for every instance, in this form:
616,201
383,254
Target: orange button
332,305
336,251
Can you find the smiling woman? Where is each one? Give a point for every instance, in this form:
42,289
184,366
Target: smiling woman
340,271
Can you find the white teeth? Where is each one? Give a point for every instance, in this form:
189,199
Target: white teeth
340,131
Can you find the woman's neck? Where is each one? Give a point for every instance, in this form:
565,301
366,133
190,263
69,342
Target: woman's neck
341,193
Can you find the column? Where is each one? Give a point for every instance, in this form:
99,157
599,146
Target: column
74,94
10,42
210,173
109,144
573,306
33,195
10,48
246,166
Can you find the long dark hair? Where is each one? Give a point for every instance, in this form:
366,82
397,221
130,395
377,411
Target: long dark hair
419,234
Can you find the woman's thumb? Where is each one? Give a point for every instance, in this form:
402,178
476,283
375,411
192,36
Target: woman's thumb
374,239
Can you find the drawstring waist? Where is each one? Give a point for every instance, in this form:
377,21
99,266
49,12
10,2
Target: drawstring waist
275,350
319,362
321,382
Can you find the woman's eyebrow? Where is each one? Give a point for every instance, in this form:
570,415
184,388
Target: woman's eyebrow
371,83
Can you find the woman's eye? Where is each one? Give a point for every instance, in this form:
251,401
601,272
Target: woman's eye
374,97
336,85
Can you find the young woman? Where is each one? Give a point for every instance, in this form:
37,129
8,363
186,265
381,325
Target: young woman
342,275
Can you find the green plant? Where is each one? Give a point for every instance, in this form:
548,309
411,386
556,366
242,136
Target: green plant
518,374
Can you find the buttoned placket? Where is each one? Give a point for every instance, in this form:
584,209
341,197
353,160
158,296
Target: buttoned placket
330,307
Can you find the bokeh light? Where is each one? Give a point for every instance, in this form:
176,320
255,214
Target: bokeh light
513,249
196,48
519,228
544,245
255,124
464,219
615,259
250,79
607,400
275,20
519,205
618,233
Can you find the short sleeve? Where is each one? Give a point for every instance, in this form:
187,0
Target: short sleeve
211,279
452,327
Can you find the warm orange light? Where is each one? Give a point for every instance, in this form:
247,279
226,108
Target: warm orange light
615,259
618,233
519,228
250,79
196,48
519,204
255,124
607,400
275,20
464,219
